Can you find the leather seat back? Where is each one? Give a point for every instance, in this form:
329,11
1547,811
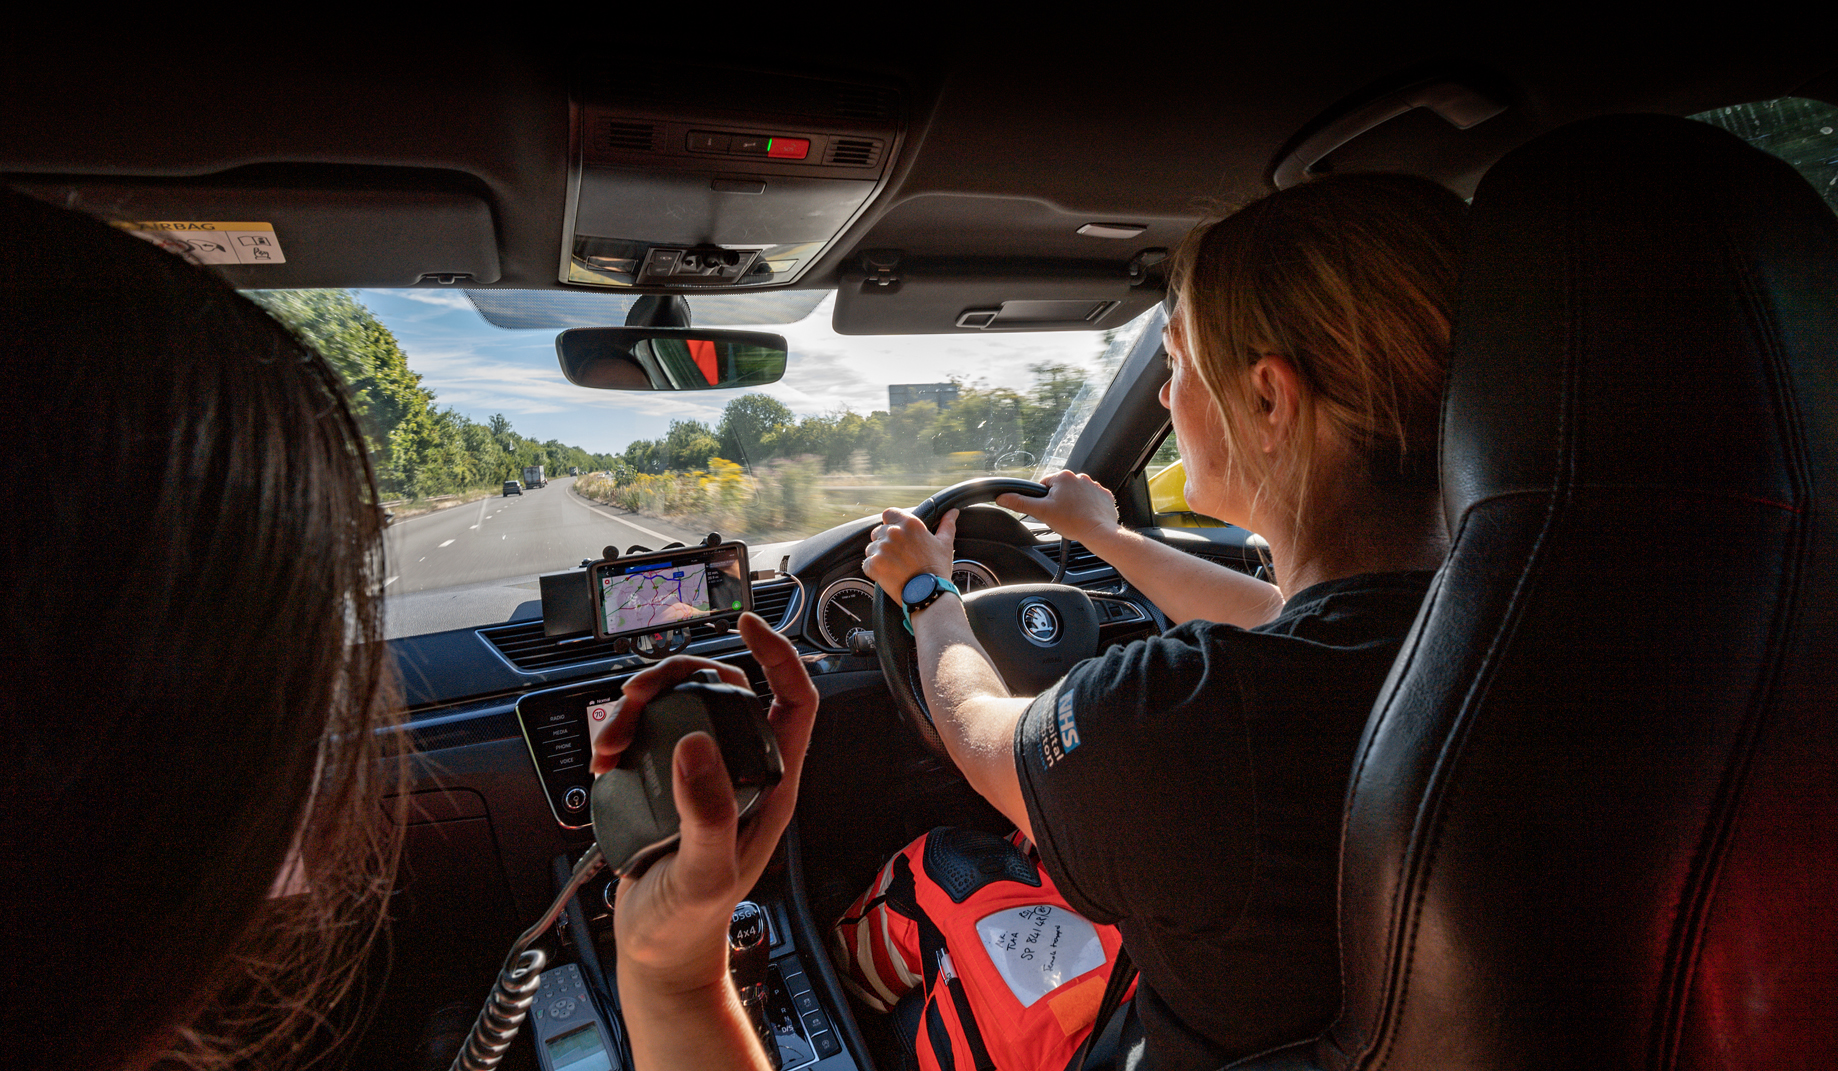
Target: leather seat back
1594,818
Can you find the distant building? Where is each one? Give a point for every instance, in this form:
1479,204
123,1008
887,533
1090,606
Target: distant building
901,395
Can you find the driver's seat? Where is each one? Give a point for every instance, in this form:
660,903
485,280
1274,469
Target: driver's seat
1594,818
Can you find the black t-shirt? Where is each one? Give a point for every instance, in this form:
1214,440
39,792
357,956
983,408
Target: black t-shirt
1189,789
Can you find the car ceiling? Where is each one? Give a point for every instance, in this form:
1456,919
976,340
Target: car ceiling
1003,150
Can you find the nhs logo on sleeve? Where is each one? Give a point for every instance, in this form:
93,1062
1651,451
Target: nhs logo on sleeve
1055,745
1068,725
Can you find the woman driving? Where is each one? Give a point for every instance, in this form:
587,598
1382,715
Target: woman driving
1188,788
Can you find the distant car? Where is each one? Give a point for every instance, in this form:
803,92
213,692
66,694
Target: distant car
512,487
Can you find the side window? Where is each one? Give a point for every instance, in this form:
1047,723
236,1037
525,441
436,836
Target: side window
1167,495
1800,131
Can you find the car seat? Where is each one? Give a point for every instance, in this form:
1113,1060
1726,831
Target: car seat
1593,821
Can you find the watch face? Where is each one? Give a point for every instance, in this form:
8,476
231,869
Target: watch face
918,589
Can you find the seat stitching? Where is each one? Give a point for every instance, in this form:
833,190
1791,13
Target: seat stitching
1427,829
1699,889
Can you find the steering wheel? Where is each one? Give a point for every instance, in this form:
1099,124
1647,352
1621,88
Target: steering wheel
1034,633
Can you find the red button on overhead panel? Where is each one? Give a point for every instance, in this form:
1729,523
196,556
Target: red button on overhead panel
789,148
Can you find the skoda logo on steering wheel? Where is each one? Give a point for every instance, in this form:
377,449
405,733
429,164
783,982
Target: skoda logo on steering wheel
1040,622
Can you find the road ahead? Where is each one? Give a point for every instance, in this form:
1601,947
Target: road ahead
540,531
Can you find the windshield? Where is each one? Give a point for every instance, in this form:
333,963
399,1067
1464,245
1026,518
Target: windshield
496,470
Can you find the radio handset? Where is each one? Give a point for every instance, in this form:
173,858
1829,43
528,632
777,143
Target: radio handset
635,823
634,810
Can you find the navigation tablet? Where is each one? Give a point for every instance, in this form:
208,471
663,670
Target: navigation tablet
670,589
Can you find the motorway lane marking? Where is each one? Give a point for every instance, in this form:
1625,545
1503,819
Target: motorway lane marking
483,502
448,543
654,535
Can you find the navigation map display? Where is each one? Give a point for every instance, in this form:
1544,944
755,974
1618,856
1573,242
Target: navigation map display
655,592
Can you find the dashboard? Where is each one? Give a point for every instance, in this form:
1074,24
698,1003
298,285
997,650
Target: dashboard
490,821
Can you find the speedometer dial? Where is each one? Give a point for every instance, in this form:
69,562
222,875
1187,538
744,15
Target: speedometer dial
845,608
971,576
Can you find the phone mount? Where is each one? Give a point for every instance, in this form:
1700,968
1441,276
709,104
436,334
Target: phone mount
649,647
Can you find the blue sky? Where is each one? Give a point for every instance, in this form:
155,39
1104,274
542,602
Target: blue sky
479,370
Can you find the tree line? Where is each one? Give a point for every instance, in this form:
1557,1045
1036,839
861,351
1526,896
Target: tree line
985,427
419,450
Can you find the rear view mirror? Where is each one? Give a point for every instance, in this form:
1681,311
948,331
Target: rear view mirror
669,358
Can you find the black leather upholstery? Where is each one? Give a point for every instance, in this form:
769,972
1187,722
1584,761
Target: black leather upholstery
1594,818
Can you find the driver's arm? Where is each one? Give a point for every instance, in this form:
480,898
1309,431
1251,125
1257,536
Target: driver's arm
1183,587
972,709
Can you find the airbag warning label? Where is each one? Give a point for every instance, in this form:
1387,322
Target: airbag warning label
204,242
1039,948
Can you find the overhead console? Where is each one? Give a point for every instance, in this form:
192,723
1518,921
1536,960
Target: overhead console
693,176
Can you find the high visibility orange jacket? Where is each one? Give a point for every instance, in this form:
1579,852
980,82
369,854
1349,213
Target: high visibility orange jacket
1012,976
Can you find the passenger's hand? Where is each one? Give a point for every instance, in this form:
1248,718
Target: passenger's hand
672,922
1076,506
902,548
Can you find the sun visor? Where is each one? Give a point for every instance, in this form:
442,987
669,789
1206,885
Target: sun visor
941,298
272,239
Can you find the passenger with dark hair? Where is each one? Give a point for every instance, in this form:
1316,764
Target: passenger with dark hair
193,679
195,856
1188,788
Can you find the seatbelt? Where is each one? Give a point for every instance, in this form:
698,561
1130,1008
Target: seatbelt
1122,972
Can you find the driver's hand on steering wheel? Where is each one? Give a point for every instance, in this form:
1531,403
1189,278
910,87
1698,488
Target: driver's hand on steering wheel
901,548
1076,506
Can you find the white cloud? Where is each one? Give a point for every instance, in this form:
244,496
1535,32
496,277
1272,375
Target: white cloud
446,299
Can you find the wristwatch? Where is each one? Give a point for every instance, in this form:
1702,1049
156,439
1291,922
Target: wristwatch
922,591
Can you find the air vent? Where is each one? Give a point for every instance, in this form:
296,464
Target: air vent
1244,562
634,137
864,102
1082,559
773,600
525,646
853,152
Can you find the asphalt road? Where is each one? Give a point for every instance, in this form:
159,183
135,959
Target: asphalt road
544,530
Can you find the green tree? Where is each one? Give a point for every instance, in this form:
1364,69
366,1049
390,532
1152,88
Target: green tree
748,422
417,449
1055,388
907,438
689,445
359,347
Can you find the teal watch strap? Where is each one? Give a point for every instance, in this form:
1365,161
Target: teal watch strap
940,585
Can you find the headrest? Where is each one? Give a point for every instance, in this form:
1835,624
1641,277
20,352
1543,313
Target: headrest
1638,287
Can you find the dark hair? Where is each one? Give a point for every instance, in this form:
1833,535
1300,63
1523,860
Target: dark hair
1352,278
190,642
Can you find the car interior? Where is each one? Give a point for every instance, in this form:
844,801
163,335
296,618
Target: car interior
1594,818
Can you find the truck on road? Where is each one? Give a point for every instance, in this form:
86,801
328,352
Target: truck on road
532,476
